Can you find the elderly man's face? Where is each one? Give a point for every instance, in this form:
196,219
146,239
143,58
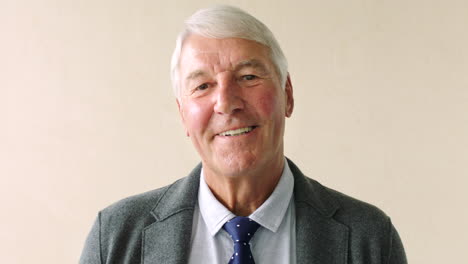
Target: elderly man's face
232,104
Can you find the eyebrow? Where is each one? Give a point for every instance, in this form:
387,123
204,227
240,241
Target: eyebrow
253,63
195,74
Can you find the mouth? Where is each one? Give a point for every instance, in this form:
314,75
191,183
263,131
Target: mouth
237,132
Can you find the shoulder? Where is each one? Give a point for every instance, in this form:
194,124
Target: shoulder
141,206
331,203
361,216
124,220
133,207
121,224
372,236
370,230
364,220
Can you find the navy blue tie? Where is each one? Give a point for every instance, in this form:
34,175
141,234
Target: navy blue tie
241,229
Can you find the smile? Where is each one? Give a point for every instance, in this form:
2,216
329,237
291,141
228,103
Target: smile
237,132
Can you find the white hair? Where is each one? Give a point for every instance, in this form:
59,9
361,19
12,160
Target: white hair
225,21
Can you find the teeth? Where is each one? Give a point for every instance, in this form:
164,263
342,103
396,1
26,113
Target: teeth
237,132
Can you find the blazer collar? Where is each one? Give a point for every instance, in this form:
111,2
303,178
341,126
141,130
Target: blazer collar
312,193
179,196
167,240
319,237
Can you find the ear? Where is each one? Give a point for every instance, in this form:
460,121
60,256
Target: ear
181,113
289,97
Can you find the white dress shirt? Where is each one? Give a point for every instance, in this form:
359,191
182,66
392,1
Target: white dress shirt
275,240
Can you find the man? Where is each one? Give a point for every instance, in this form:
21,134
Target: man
246,202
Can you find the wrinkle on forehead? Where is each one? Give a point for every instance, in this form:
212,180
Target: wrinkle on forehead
205,58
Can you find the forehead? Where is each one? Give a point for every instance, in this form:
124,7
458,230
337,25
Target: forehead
200,52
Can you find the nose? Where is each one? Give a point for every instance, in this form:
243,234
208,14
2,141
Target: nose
228,97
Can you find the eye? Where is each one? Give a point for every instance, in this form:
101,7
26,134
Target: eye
202,87
249,77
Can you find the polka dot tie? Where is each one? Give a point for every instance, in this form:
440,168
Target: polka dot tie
241,229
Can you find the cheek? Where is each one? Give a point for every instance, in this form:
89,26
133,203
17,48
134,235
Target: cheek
196,116
267,105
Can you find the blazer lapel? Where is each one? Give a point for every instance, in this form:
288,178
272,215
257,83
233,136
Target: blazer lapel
168,239
319,238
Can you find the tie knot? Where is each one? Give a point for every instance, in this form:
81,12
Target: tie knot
241,229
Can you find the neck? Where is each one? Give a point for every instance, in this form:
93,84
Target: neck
244,193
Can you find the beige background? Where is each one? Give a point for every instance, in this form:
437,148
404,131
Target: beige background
87,114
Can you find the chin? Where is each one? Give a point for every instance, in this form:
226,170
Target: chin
234,165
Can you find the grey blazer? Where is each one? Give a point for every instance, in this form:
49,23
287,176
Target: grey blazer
155,227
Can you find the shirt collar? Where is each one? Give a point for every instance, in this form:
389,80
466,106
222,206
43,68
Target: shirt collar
213,212
269,215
